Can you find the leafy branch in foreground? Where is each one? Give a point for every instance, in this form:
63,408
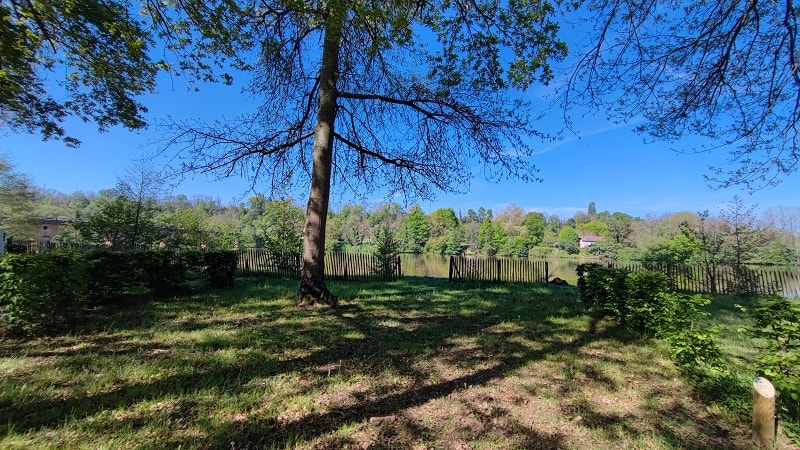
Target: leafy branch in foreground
86,59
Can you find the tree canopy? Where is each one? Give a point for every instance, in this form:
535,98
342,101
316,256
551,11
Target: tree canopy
86,59
16,200
420,90
723,70
393,95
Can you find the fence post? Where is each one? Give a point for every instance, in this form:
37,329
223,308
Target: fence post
399,268
763,413
450,270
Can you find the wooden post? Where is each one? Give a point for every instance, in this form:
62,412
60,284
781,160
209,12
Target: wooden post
450,270
763,413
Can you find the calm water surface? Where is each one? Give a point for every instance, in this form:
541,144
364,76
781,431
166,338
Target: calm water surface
436,266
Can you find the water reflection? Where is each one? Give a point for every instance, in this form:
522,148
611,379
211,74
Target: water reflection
415,265
437,266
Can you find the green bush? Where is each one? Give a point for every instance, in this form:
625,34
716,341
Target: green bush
645,303
16,249
111,275
220,269
161,271
37,292
694,348
603,289
192,260
777,326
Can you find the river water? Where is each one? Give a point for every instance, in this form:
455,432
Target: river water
437,266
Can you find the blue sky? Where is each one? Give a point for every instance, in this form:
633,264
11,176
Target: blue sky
606,163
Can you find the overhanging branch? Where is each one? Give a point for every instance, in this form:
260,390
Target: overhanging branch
411,103
398,162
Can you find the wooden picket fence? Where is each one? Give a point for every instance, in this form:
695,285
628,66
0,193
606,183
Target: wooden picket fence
261,262
338,265
727,280
33,246
497,270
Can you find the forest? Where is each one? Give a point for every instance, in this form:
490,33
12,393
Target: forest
129,216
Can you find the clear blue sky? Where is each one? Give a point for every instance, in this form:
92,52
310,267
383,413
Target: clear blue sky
608,164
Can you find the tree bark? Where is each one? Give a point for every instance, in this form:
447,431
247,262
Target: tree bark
312,282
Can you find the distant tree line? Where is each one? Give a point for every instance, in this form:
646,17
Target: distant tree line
131,216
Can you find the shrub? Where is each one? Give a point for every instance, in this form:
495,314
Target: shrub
112,274
646,304
161,271
569,246
694,348
16,249
220,269
192,260
777,326
38,291
603,289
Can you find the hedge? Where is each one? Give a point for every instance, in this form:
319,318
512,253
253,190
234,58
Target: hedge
38,292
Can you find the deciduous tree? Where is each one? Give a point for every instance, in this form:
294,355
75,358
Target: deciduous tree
142,187
416,230
16,201
620,228
396,95
118,222
535,225
708,237
744,237
281,226
568,240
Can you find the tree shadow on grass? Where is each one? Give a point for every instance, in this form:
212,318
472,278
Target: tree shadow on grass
482,335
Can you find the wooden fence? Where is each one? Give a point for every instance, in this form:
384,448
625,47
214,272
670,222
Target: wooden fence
783,281
261,262
497,270
35,246
338,265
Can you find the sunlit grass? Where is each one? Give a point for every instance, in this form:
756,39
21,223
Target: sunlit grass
415,363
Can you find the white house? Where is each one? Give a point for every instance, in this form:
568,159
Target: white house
585,240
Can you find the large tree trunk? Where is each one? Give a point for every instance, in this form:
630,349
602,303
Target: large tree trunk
312,283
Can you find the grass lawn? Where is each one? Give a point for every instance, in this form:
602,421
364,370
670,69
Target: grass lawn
418,363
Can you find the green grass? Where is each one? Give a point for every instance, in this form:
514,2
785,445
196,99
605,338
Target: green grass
418,363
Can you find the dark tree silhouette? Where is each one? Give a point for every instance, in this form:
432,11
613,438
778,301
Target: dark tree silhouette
724,70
